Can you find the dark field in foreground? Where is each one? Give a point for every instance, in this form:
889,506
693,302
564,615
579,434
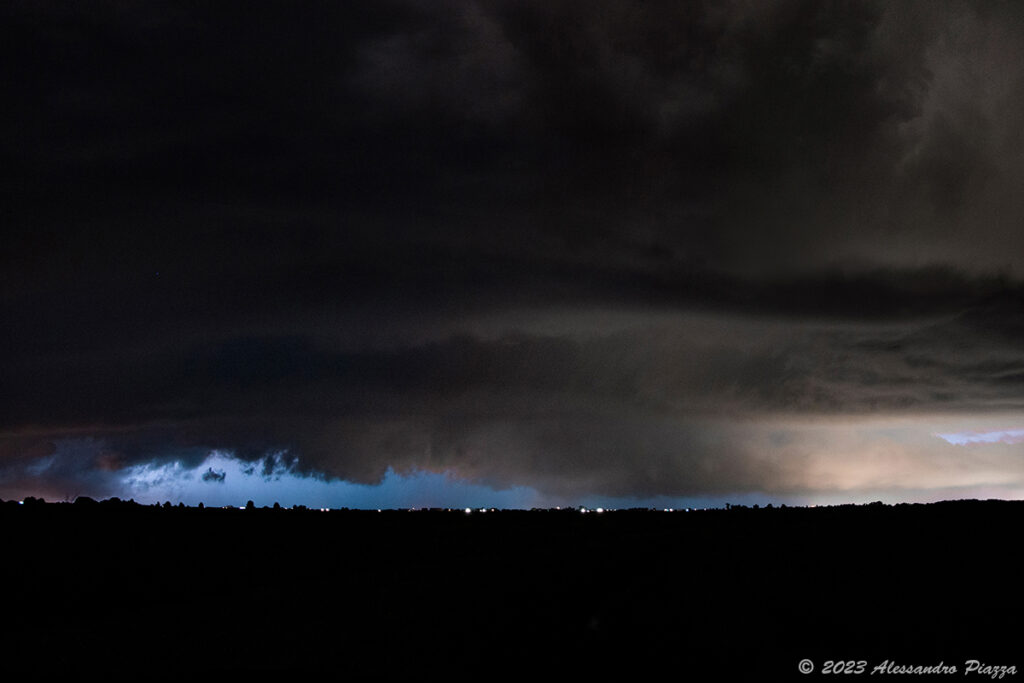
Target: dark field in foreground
148,592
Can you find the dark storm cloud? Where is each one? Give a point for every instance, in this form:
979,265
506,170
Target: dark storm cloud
214,476
638,411
333,232
615,135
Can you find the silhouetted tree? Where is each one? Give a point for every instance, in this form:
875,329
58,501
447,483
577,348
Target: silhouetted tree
250,505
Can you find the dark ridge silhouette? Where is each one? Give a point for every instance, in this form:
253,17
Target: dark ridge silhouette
741,593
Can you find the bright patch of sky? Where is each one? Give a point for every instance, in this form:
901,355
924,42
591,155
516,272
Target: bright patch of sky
225,480
998,436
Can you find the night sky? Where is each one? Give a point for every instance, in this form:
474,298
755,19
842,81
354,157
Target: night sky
453,252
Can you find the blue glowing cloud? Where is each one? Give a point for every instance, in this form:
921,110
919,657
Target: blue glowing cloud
1009,436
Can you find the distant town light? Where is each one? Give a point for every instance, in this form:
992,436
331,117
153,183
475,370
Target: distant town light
599,510
468,510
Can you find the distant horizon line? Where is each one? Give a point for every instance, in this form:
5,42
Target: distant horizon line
88,501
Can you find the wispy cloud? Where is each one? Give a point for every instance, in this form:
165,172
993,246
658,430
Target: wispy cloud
1009,436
